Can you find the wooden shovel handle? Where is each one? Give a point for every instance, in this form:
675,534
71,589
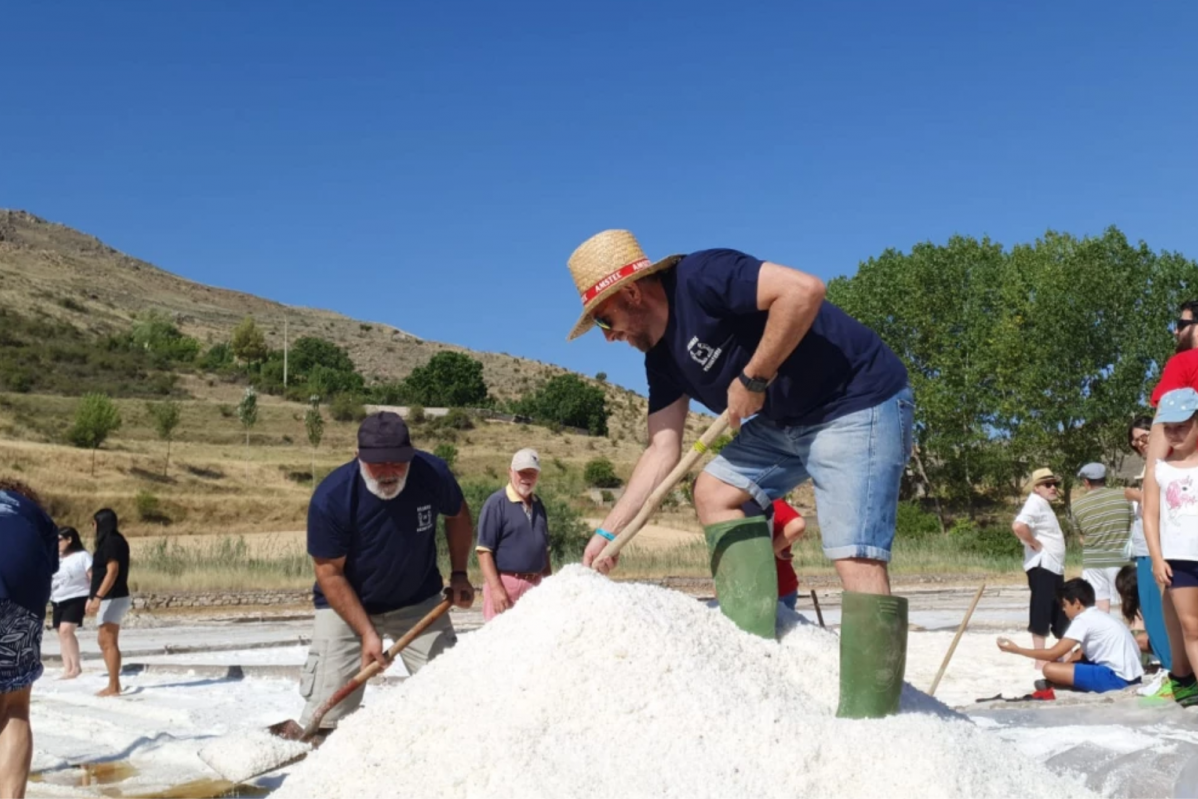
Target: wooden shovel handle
667,485
375,667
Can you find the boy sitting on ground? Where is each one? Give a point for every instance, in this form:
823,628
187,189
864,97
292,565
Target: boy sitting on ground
1110,657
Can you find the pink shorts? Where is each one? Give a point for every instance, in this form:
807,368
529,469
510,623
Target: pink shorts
516,586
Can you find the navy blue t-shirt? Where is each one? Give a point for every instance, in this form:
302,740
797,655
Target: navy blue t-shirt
840,366
389,546
28,553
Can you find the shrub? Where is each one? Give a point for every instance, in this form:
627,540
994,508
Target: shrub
416,414
347,408
447,453
226,411
149,509
456,419
914,522
994,542
601,474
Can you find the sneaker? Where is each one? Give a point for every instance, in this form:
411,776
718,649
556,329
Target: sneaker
1150,687
1158,693
1185,695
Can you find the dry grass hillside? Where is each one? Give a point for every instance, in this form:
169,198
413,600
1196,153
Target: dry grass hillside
52,270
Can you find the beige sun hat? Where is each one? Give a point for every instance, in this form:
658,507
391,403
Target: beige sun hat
605,263
1042,476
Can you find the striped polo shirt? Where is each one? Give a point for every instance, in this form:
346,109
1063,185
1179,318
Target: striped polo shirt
1103,516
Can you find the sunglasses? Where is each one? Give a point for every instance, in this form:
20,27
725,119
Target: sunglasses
1139,441
1182,324
1051,485
603,322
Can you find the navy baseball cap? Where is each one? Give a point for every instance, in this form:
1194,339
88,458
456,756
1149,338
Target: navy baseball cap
383,438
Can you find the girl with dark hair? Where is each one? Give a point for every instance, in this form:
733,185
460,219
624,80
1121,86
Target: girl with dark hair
1127,586
28,559
1148,591
110,593
68,597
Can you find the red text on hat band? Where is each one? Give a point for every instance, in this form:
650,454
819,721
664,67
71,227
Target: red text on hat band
613,278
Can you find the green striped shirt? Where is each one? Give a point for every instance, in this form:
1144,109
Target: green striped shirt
1103,516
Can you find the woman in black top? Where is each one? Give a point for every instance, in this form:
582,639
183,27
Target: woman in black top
109,593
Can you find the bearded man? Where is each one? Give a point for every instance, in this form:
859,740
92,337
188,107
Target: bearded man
371,535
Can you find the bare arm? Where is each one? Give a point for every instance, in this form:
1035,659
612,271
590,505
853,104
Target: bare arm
1133,494
1158,449
330,576
792,300
661,456
1024,534
459,531
1059,650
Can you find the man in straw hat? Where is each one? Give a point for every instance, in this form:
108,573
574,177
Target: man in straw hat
1039,529
814,394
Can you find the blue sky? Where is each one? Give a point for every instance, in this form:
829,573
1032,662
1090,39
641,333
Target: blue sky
432,165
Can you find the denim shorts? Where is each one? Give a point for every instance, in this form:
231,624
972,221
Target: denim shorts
856,463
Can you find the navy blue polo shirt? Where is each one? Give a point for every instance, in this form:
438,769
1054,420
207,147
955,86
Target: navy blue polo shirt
389,546
839,367
28,553
516,538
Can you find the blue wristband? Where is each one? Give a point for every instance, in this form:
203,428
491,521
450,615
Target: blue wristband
604,534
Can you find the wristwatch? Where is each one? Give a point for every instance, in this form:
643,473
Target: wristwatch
757,385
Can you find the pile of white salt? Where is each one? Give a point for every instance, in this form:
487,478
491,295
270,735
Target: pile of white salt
594,688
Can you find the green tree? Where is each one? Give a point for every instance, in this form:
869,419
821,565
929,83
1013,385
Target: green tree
166,417
309,351
600,473
448,380
248,342
567,400
247,414
155,332
96,418
314,423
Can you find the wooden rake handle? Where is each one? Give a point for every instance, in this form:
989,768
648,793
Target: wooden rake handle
667,485
375,667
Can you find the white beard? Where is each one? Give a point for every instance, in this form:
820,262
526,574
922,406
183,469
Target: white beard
372,485
524,491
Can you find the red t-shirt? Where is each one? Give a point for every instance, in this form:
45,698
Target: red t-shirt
1181,371
788,581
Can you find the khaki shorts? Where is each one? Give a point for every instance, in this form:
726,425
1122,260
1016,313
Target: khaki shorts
335,655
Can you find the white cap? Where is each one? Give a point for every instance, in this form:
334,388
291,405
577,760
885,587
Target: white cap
526,458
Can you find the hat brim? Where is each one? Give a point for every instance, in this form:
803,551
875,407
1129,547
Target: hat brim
387,455
1172,416
586,321
1052,478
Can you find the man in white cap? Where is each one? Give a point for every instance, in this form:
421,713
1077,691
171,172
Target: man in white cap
513,537
815,395
1102,519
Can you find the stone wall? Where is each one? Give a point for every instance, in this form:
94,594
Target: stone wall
205,599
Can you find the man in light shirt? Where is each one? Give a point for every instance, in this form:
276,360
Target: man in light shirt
1039,529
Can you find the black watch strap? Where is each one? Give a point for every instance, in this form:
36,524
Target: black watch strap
757,385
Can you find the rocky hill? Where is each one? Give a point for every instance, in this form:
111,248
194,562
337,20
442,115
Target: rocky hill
53,270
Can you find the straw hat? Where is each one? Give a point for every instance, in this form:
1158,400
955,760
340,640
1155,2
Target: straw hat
604,264
1042,476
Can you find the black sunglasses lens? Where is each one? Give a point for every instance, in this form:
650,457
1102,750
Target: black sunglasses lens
603,322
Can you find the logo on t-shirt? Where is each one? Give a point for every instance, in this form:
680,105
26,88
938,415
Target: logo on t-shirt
1181,498
704,354
424,518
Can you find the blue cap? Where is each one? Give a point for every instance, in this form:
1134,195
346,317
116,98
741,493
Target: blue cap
1092,471
1176,406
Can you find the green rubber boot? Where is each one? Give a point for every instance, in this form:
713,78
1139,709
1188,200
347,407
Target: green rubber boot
873,654
746,580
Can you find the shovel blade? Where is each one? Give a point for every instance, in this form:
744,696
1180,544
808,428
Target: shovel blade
289,730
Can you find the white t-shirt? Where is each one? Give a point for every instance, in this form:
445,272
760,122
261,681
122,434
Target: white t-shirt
1139,544
1106,642
1179,511
70,580
1038,515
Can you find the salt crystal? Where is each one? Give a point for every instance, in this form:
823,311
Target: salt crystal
239,756
594,688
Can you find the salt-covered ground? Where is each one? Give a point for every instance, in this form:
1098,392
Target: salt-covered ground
164,719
